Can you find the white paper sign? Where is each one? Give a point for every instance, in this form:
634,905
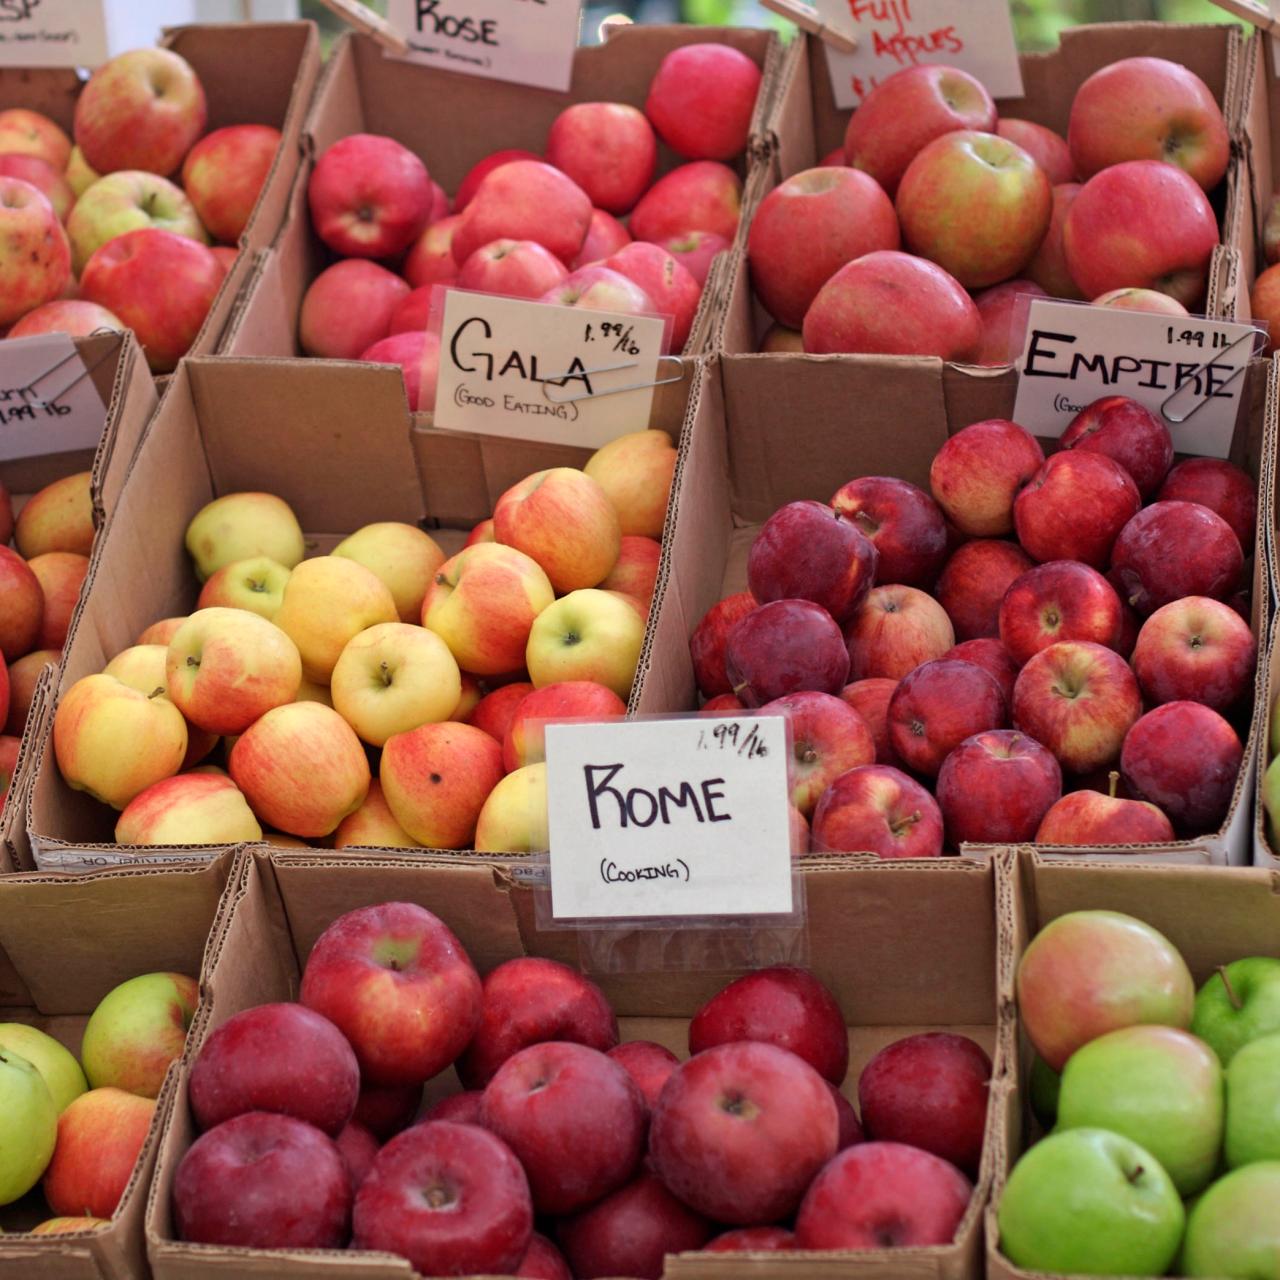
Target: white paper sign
669,818
976,36
48,401
525,41
510,367
1186,369
52,33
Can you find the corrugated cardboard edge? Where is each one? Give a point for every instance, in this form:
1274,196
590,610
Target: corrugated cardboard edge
15,849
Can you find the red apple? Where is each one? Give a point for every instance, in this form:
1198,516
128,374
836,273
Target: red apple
702,196
1185,758
695,251
543,1261
701,100
21,606
101,1134
530,1000
430,259
1196,650
1128,433
1140,300
1175,549
525,740
828,738
1222,487
512,268
1074,506
347,308
358,1148
994,788
648,1064
988,653
706,644
1048,267
753,1240
386,1109
1079,700
977,474
224,173
61,575
1091,818
937,706
671,289
783,647
850,1126
1003,309
470,184
9,748
418,355
35,258
1048,149
636,571
525,200
870,699
74,317
878,809
1060,600
495,711
896,630
974,581
608,149
781,1005
903,523
605,236
41,175
600,288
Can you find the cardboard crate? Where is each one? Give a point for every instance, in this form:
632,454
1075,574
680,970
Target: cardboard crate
805,126
453,121
870,416
64,944
1213,915
336,441
120,374
886,987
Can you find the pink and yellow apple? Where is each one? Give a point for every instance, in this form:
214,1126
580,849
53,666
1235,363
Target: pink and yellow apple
29,133
373,824
189,808
35,258
238,526
586,635
514,817
58,518
635,471
404,557
256,585
137,1030
100,1137
128,201
223,175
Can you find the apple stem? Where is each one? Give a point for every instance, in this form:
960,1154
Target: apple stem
1236,1002
155,693
1113,781
1135,1174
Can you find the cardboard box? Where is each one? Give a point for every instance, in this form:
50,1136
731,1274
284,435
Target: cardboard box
1213,915
805,126
887,987
336,441
776,429
64,944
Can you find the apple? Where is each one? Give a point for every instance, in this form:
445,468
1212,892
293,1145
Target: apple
701,196
525,740
1174,549
24,132
543,1261
701,100
127,201
892,303
1128,433
671,290
1089,972
44,177
870,699
513,818
741,1130
707,643
1056,601
648,1064
74,317
23,677
137,1030
418,355
513,268
636,571
255,585
937,706
430,259
780,340
1140,300
61,575
781,1005
1048,149
412,314
238,526
635,471
785,646
56,1064
191,808
1148,109
347,308
372,824
1230,1228
1240,1003
470,184
753,1240
9,749
525,200
1091,818
529,1000
608,149
995,788
1048,265
385,1110
100,1137
1195,649
906,112
464,1108
358,1148
978,473
1074,508
988,653
587,635
63,1226
1251,1132
695,251
877,809
1222,487
810,226
35,261
600,288
605,237
31,1123
57,518
1142,223
1160,1087
828,738
895,631
903,523
1086,1201
1004,310
224,174
470,699
80,175
973,584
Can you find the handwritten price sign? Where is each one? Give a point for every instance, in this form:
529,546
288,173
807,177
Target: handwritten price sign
669,818
48,402
52,33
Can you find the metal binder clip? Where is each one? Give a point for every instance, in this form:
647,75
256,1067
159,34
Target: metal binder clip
1193,378
807,18
560,379
80,377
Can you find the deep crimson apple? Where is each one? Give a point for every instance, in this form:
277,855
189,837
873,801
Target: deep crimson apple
263,1181
1185,758
543,1261
828,738
481,170
1175,549
753,1240
740,1131
784,1006
896,630
929,1091
988,653
608,149
978,472
783,647
630,1232
512,268
870,699
973,583
450,1198
1128,433
1195,649
881,1195
1074,507
1218,485
706,644
525,200
461,1108
701,100
1091,818
1060,600
529,1000
937,706
850,1126
671,289
386,1109
877,809
904,524
605,236
695,251
647,1063
277,1057
1048,149
1003,309
702,196
995,787
357,1147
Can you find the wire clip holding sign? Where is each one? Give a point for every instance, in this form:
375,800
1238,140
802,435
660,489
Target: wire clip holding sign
1193,379
30,388
559,379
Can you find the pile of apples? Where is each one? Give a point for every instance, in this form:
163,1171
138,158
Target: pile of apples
921,234
78,1126
1109,642
621,1151
436,670
1165,1095
96,235
40,583
543,227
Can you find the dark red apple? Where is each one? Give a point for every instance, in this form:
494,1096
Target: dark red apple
1128,433
850,1125
386,1109
995,787
974,581
784,647
706,645
988,653
828,738
938,706
870,699
461,1108
877,809
357,1147
648,1063
1219,485
1195,649
1059,600
753,1240
903,522
543,1261
1074,507
1091,818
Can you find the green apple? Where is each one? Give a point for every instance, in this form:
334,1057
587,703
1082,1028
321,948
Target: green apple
1271,789
1253,1103
1239,1003
30,1126
1092,1203
129,200
1043,1087
1234,1230
1158,1086
56,1063
137,1030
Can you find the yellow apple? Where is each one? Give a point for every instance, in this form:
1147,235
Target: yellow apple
256,584
635,472
64,1226
565,521
483,603
239,526
373,824
190,808
80,174
514,817
392,678
31,1126
405,558
470,699
587,635
312,691
53,1060
58,518
114,742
